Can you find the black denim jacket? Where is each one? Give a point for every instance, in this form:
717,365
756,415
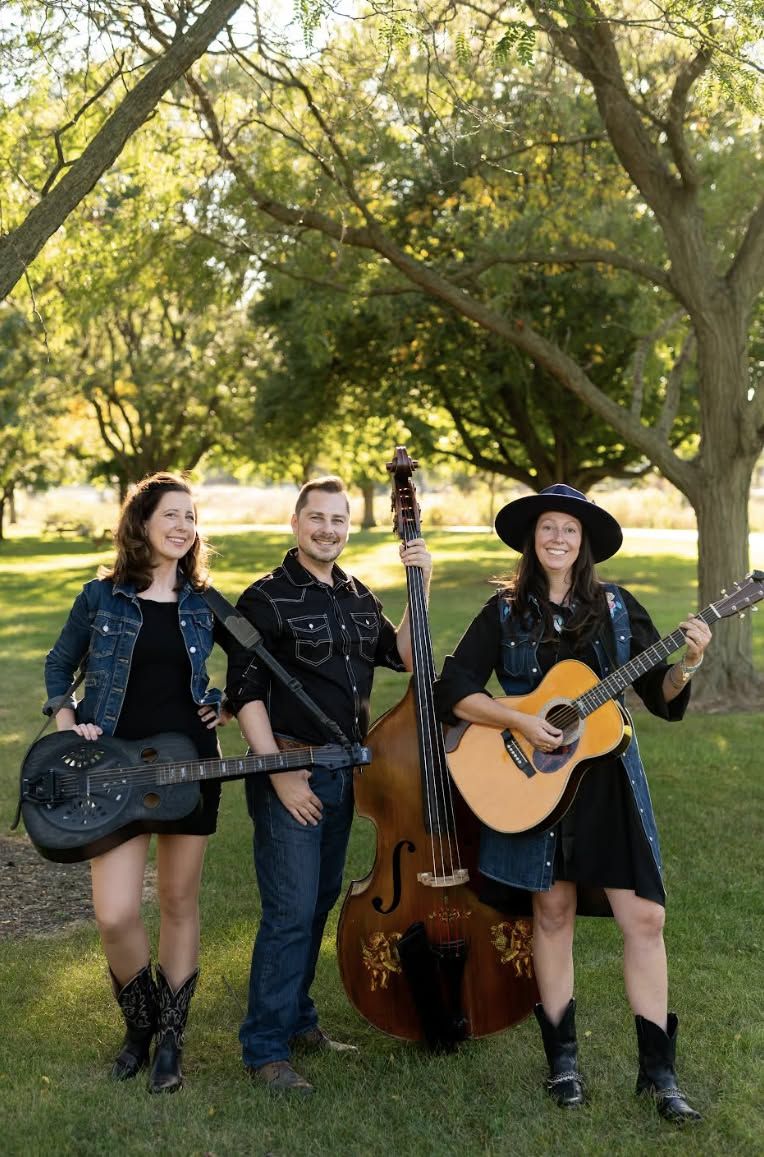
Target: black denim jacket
329,637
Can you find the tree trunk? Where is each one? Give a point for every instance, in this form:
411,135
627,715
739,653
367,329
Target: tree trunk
719,495
12,512
728,676
2,517
367,490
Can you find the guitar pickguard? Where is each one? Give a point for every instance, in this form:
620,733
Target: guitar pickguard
549,761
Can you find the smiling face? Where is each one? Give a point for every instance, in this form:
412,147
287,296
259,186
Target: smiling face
171,529
557,541
321,529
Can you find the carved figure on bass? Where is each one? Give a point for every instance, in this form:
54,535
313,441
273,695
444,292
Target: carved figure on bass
603,855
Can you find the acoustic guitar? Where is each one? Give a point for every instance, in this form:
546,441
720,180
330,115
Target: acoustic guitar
512,786
80,798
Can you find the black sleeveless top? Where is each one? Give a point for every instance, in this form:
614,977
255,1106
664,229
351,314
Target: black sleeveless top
158,698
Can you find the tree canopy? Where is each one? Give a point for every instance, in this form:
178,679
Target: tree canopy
538,225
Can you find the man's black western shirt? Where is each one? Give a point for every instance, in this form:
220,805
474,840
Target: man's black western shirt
329,637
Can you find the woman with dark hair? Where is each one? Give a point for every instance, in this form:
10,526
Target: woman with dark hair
146,632
603,856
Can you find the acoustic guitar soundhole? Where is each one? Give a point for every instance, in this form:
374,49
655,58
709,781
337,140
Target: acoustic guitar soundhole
564,716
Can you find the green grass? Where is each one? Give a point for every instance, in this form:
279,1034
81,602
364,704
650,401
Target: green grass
59,1027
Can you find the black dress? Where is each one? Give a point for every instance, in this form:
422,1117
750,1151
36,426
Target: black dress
600,841
158,698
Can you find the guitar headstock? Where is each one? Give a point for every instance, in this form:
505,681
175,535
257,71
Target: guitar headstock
744,594
404,502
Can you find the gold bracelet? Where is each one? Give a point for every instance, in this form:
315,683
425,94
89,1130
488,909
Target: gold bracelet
683,676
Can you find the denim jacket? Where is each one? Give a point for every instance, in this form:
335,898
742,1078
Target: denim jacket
107,618
527,860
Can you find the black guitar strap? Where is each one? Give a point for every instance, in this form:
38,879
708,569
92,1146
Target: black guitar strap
50,709
250,638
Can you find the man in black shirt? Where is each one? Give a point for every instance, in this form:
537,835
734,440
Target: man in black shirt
327,629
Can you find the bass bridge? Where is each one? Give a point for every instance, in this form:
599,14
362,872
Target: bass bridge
452,880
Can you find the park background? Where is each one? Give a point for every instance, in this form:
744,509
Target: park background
256,243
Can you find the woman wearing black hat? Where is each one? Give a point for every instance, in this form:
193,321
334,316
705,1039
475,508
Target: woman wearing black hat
603,857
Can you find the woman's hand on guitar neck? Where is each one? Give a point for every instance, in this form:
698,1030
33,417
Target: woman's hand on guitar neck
697,636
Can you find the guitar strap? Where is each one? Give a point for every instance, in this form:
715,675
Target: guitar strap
248,636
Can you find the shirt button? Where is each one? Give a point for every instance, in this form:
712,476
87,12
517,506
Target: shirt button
343,627
192,650
549,863
182,622
534,670
105,627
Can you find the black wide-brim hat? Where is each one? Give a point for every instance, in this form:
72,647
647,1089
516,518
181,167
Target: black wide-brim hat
515,520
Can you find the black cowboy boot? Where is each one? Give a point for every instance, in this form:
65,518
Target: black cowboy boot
138,1001
564,1083
166,1076
657,1052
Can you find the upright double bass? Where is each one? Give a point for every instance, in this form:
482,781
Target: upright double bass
420,956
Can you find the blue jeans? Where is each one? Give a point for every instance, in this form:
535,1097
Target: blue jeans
299,874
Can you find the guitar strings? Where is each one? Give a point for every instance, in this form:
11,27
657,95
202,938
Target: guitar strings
439,796
150,774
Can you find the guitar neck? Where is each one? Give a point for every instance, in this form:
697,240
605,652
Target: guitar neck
617,681
195,771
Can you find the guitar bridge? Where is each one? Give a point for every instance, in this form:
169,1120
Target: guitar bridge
516,754
42,789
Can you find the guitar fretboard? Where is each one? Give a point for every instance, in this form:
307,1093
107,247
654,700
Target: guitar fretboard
613,684
194,772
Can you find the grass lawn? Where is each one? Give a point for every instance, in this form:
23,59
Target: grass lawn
59,1027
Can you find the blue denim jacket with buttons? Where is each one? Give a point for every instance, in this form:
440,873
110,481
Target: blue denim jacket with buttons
106,618
527,860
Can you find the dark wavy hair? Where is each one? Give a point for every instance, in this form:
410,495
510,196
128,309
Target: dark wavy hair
587,595
134,563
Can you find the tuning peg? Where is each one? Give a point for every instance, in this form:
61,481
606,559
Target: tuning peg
724,591
742,614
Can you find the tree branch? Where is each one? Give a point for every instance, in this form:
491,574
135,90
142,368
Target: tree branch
746,274
610,257
676,113
19,247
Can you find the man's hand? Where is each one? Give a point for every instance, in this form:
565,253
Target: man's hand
415,553
294,792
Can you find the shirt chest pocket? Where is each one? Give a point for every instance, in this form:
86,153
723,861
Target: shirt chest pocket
197,629
105,632
518,657
367,629
313,638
